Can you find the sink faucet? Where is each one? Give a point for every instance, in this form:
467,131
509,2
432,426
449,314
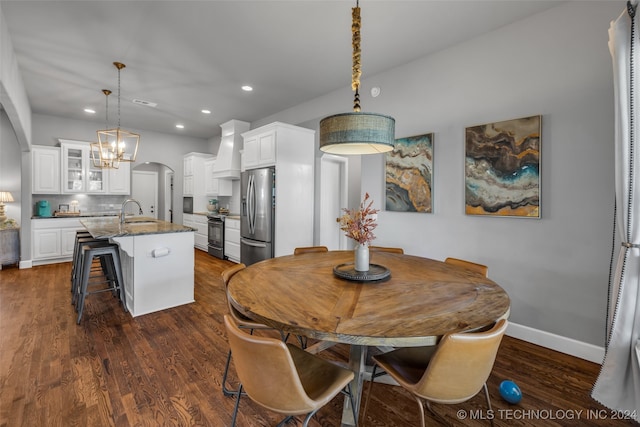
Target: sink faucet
123,206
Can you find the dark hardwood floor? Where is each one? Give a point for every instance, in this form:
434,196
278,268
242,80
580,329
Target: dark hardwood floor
165,368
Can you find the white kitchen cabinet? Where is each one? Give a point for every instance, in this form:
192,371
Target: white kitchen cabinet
291,150
232,239
215,186
194,179
259,149
53,239
201,238
119,180
45,168
187,220
79,175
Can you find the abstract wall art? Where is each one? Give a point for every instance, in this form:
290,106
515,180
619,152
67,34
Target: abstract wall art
502,168
409,175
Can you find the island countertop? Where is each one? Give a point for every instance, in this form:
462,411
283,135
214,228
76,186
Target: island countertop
108,227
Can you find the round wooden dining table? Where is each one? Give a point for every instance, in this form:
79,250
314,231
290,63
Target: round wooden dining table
421,300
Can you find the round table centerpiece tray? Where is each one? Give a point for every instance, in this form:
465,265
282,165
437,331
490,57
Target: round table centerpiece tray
375,273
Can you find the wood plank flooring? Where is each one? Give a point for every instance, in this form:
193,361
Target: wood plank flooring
165,368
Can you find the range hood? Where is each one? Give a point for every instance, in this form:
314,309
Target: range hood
227,164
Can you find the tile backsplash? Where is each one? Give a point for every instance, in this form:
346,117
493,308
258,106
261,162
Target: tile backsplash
87,203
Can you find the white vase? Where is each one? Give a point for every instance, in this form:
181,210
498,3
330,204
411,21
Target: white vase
361,253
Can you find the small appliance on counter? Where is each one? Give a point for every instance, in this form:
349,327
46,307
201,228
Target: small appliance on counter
43,208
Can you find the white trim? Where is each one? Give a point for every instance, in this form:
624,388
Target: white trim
25,264
583,350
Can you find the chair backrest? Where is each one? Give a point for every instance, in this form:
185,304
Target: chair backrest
478,268
385,249
267,372
461,365
226,276
308,249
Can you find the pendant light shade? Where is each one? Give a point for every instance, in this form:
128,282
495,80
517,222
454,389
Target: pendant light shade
357,132
116,145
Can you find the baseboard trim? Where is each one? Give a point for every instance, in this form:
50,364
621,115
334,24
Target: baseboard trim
26,264
590,352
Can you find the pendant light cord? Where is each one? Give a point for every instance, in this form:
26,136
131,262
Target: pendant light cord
356,67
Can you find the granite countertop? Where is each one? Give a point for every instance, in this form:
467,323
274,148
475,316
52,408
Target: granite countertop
81,215
103,228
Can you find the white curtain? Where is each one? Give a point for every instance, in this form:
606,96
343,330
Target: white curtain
618,385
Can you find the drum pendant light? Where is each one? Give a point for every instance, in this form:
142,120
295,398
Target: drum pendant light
357,132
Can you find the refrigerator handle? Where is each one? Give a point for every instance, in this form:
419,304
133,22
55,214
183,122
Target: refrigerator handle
254,244
251,214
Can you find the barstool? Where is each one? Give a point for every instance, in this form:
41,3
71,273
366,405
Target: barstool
97,268
110,256
80,234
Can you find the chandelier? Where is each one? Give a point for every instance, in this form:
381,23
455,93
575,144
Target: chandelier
357,132
115,145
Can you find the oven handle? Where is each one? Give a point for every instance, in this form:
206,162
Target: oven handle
254,244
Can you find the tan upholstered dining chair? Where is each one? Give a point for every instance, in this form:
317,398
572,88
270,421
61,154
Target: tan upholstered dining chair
478,268
452,372
241,320
386,249
309,249
281,377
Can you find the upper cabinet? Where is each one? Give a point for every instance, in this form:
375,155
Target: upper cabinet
79,175
46,170
215,186
194,179
68,169
119,180
259,149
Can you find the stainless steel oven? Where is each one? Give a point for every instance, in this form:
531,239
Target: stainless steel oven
216,236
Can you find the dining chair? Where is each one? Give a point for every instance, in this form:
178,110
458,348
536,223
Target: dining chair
478,268
386,249
282,377
453,371
309,249
241,320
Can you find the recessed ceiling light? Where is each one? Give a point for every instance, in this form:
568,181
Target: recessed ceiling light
206,111
247,88
179,126
89,111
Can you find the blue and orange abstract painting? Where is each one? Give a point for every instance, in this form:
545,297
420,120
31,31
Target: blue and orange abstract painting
409,175
502,168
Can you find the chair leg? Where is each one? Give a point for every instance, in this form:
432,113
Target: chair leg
421,406
486,395
308,418
363,415
237,405
227,391
286,420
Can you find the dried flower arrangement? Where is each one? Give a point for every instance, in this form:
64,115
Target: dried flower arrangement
358,224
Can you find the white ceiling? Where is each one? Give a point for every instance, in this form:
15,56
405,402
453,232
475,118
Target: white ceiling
189,55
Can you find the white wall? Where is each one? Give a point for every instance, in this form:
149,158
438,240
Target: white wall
555,64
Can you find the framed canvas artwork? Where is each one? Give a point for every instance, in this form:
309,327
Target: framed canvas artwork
502,168
409,175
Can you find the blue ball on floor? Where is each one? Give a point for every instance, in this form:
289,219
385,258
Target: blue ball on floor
510,391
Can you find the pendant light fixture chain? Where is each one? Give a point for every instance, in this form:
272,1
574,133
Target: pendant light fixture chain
119,66
356,67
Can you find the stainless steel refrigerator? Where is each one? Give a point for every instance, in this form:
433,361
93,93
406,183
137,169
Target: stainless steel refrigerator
257,216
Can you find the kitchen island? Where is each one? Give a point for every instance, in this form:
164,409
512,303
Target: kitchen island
157,260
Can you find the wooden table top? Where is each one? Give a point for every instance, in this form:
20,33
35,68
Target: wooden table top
421,299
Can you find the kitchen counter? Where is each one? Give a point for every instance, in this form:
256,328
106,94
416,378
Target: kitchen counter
157,260
108,227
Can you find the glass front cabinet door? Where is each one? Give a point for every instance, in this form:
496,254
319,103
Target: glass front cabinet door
79,174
